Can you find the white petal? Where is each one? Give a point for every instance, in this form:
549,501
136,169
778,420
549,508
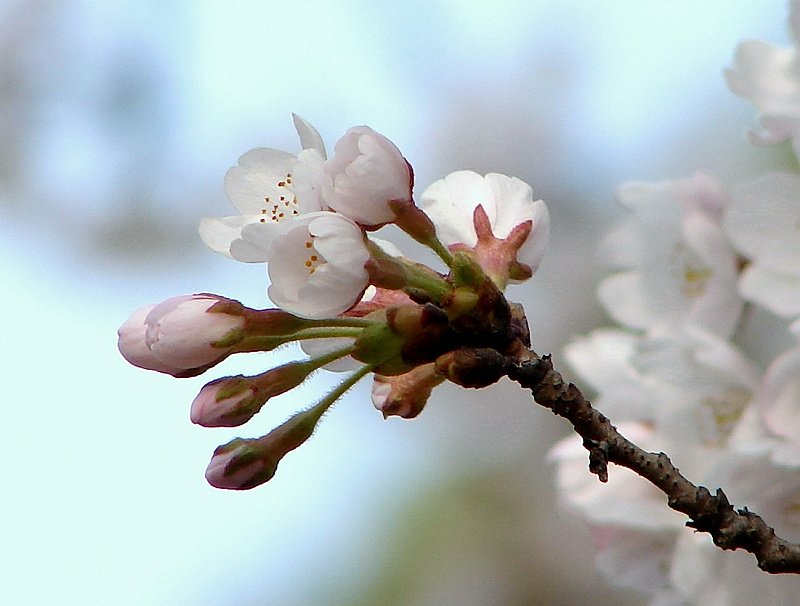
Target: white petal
450,202
620,247
763,221
219,232
532,251
513,204
252,246
309,136
316,265
776,292
260,180
778,399
622,296
766,76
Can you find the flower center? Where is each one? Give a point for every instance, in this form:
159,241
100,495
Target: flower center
314,259
282,207
726,410
691,272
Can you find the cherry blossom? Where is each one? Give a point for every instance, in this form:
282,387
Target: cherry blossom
510,227
677,264
704,574
763,222
264,189
769,78
367,172
317,265
778,403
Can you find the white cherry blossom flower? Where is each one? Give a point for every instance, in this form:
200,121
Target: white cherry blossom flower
268,187
316,265
518,229
626,500
769,78
367,172
778,403
639,560
704,574
763,222
692,385
678,265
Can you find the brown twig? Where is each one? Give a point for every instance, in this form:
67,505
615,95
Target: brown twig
730,529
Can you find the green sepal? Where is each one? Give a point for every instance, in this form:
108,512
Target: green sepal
466,270
377,344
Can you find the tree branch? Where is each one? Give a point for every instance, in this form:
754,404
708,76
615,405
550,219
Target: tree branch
709,513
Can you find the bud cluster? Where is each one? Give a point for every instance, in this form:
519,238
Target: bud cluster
353,302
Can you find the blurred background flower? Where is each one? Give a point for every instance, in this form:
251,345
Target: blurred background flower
118,121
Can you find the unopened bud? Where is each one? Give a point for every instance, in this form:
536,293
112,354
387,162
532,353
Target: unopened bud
472,367
246,463
182,336
232,401
413,220
405,395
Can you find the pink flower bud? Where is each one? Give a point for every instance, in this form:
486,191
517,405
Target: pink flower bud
182,336
232,401
365,174
132,345
405,395
242,464
186,331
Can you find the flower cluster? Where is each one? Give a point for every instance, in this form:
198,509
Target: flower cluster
352,301
693,256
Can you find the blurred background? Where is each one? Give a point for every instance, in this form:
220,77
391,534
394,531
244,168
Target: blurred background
118,120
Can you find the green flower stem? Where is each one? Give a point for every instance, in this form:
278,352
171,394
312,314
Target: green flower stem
319,409
315,363
321,332
441,250
414,277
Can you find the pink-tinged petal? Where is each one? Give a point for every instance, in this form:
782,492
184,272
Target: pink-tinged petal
620,247
310,179
182,331
777,292
366,172
681,268
766,76
774,130
133,347
604,360
252,245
